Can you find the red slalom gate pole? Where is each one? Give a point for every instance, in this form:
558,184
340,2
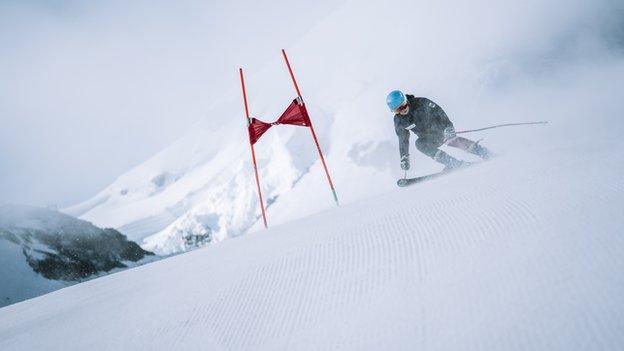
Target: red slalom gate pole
253,153
318,147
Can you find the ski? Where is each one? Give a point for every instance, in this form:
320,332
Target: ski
409,181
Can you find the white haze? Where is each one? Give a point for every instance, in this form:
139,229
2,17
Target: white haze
90,89
94,89
484,63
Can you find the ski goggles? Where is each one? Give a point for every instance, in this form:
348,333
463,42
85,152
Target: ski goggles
402,108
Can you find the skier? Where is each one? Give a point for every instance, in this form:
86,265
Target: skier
432,126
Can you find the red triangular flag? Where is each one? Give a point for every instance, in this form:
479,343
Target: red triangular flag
256,129
295,114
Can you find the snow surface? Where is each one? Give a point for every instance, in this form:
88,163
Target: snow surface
519,253
487,64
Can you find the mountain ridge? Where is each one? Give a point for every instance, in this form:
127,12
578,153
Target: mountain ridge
44,250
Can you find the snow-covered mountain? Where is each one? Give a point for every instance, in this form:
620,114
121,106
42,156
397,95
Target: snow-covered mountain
484,63
43,250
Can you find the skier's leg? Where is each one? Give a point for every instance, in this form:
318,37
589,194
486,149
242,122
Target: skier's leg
460,143
431,149
469,146
427,147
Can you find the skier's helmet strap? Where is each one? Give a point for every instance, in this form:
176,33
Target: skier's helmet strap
395,99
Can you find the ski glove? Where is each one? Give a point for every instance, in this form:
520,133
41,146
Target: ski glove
449,133
405,163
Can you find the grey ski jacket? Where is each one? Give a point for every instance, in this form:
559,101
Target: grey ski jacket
425,119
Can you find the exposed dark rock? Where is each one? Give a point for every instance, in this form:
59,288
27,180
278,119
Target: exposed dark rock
60,247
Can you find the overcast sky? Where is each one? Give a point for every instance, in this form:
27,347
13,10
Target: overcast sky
89,89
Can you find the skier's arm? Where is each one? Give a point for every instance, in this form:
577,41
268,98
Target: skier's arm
403,136
437,111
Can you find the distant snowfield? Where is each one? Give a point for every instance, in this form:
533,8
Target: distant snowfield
524,252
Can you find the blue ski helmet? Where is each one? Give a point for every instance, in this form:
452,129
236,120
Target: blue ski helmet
395,99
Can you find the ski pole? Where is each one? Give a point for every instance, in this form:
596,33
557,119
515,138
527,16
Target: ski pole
501,125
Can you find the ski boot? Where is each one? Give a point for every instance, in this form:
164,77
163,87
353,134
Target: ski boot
479,150
449,162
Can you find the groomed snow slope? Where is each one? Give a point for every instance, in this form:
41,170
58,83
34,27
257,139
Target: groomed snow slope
524,252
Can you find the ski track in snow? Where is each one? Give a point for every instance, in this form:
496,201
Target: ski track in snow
531,261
